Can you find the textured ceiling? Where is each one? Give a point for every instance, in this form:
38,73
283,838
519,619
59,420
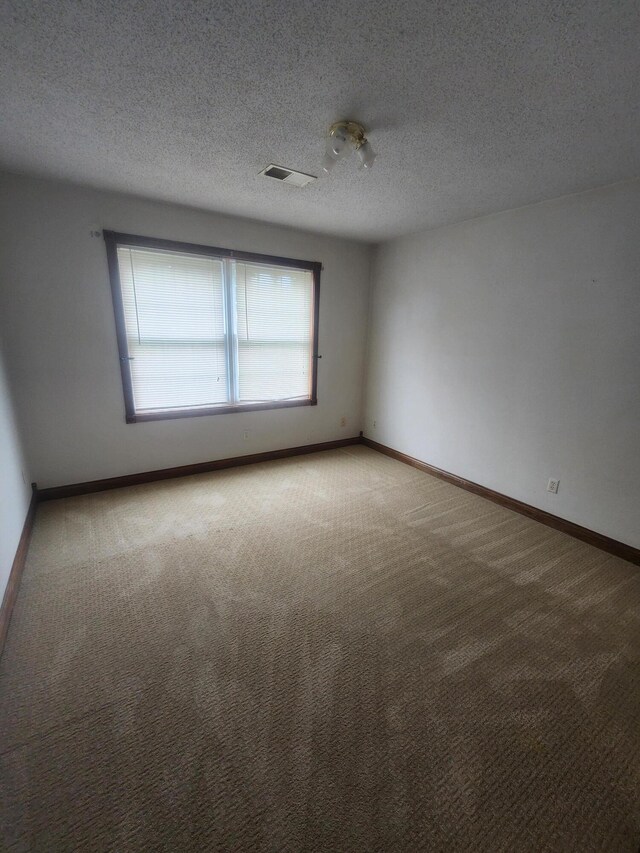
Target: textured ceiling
473,107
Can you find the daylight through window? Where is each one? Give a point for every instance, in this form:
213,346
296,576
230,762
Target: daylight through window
204,331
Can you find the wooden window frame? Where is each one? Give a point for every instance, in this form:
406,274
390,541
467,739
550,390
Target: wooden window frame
114,239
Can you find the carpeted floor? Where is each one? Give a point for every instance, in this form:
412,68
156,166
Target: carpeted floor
327,653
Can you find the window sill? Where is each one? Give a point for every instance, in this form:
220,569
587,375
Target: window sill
141,417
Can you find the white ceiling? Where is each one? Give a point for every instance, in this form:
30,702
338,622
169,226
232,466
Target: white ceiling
473,107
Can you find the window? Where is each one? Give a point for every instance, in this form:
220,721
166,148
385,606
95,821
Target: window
203,331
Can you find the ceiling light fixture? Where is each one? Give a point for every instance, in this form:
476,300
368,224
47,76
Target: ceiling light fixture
344,137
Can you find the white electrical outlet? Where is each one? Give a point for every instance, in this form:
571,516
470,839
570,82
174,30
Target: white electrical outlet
343,421
374,424
553,486
245,435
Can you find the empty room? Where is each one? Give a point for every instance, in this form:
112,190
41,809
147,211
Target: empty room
320,426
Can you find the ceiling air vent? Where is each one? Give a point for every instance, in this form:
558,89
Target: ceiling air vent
288,176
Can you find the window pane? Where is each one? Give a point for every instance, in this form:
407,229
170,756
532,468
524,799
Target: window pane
174,318
167,377
275,332
271,371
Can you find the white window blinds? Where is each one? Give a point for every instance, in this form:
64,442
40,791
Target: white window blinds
205,332
275,332
174,316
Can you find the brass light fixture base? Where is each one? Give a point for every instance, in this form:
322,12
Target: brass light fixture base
344,137
353,130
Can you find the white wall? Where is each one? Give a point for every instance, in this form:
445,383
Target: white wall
57,318
507,350
15,491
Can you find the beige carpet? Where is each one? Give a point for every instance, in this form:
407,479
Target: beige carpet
327,653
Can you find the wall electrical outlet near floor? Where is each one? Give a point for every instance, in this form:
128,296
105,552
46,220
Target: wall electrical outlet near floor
553,486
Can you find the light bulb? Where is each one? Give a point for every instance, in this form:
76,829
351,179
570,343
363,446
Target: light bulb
337,143
366,155
328,162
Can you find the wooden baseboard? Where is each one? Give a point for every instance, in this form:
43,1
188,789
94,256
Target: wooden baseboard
599,540
186,470
17,567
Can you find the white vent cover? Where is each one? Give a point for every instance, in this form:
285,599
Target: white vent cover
287,176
